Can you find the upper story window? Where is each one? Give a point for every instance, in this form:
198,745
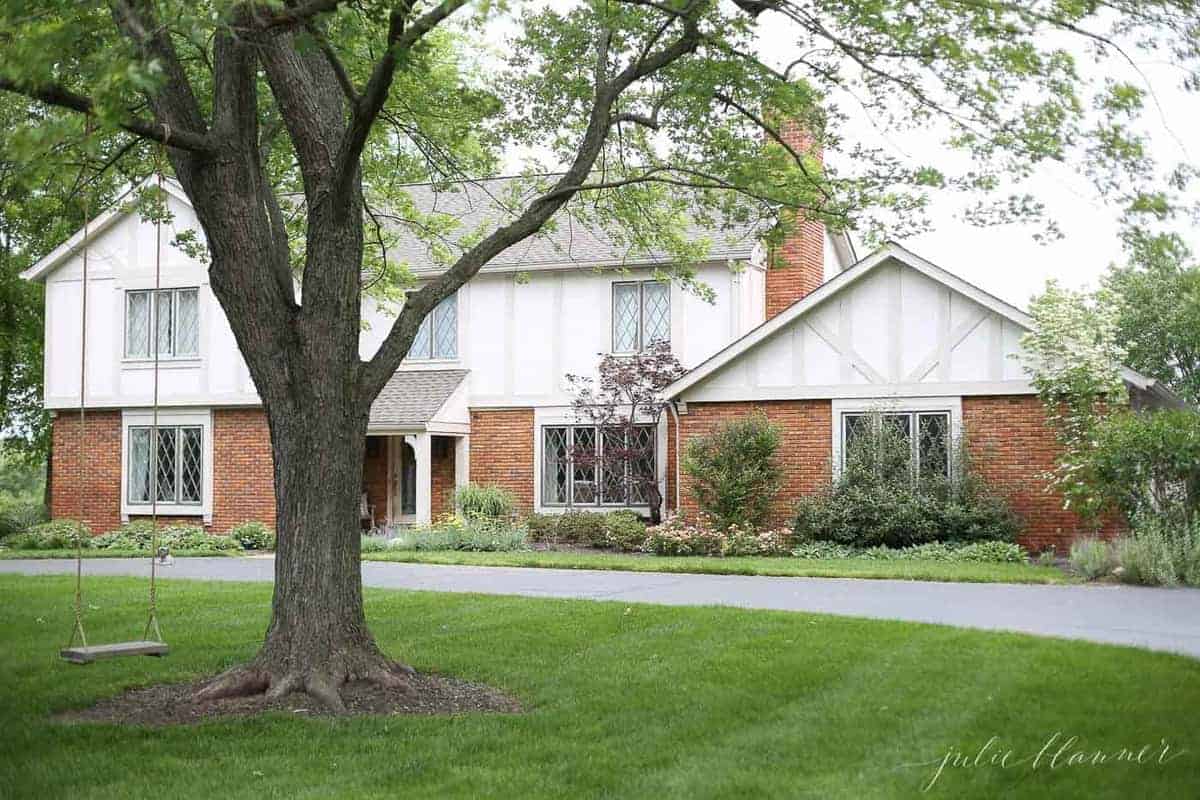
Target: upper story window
437,338
168,318
641,315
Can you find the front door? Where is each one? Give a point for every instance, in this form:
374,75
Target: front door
404,480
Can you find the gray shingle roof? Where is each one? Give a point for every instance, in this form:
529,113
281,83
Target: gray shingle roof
483,204
414,397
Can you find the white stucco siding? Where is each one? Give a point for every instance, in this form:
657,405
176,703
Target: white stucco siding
893,332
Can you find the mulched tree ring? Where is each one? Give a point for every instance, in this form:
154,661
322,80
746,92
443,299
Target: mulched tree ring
174,704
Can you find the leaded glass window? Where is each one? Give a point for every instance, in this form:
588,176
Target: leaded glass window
929,449
583,467
172,470
167,320
641,315
437,338
556,478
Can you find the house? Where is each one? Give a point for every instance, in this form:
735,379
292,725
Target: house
814,342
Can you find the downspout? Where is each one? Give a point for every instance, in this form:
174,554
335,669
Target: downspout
678,444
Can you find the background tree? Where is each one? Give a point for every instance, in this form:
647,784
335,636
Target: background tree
625,406
649,112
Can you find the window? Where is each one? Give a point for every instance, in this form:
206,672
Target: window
169,470
929,450
577,472
641,315
437,338
168,320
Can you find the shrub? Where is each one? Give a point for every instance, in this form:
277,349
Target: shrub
877,500
374,544
582,527
978,552
1091,558
992,552
542,527
1146,558
733,471
253,536
740,541
678,537
474,535
54,535
20,517
139,535
484,502
822,550
624,530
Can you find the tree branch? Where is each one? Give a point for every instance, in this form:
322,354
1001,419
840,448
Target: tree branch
61,97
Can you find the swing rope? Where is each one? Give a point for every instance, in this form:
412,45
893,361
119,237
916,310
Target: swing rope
155,645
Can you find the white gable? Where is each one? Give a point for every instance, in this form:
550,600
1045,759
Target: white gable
893,325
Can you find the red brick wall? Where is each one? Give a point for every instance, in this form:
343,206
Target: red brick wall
375,474
243,469
805,447
99,470
1011,444
441,499
502,443
797,266
671,463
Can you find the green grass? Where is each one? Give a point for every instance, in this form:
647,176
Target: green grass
7,554
826,568
624,701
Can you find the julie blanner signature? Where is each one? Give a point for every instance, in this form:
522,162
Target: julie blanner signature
1058,752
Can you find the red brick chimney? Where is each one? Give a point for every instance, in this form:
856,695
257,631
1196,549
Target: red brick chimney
796,266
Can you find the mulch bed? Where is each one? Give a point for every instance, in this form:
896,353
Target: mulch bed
173,704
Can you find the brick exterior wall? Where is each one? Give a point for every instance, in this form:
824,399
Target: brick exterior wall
243,469
805,447
502,442
98,468
375,475
796,266
1011,443
441,466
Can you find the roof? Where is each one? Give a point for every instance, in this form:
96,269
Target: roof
414,397
888,252
487,203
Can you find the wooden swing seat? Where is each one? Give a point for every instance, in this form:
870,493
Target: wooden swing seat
96,652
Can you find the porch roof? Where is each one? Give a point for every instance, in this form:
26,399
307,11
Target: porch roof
411,398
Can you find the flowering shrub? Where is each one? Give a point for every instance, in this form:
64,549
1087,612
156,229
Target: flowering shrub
746,541
678,536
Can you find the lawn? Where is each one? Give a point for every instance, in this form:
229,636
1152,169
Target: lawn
624,701
970,572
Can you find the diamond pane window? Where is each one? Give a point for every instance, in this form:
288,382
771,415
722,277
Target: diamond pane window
187,322
437,337
137,325
190,465
933,444
173,470
888,435
556,478
172,321
656,313
139,465
167,467
641,315
613,479
583,473
641,463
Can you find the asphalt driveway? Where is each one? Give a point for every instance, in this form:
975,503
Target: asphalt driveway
1157,619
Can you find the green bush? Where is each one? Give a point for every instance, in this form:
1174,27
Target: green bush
16,517
1091,558
878,501
1146,558
733,471
484,502
822,550
542,527
139,535
474,535
582,528
991,552
624,530
54,535
253,536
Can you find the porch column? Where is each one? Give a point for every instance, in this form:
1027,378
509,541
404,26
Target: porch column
424,454
462,461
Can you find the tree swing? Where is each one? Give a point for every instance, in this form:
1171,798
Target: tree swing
151,643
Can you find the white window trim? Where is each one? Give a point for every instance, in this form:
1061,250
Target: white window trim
886,405
166,361
641,333
552,416
172,418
